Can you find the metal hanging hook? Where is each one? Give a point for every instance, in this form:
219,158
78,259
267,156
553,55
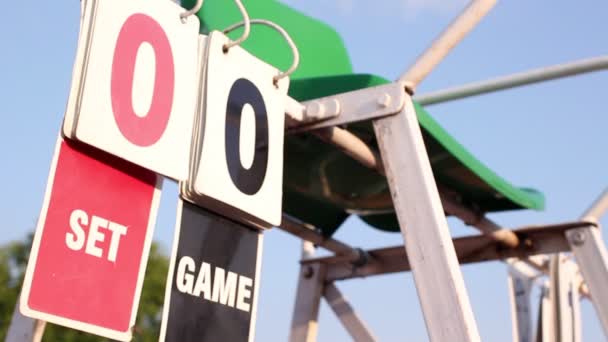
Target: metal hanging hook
292,45
247,24
193,10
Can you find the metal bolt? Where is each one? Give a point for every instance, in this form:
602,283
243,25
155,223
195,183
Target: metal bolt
333,107
577,237
315,109
308,272
384,100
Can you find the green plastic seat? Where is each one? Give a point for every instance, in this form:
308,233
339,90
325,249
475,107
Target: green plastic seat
323,186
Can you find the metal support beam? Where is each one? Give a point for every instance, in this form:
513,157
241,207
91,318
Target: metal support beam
352,146
24,329
515,80
471,249
350,107
308,298
308,232
477,220
521,268
536,266
565,299
449,38
439,283
592,258
520,289
598,208
575,302
345,313
545,331
537,240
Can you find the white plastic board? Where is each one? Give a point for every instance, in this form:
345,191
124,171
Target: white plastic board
241,162
136,86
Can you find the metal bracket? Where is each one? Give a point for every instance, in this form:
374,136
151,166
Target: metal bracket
353,106
362,259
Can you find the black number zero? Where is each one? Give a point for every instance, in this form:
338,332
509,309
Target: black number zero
248,181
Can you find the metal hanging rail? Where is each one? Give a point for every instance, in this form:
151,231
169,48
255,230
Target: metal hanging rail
450,37
515,80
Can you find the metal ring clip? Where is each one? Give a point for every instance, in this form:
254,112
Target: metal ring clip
292,45
193,10
247,24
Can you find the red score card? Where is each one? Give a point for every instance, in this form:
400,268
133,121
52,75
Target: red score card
91,246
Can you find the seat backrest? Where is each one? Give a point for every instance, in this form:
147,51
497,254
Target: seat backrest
322,51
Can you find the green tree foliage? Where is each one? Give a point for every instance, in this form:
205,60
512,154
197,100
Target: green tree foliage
13,260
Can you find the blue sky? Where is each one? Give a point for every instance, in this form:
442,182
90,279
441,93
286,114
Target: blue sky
551,136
